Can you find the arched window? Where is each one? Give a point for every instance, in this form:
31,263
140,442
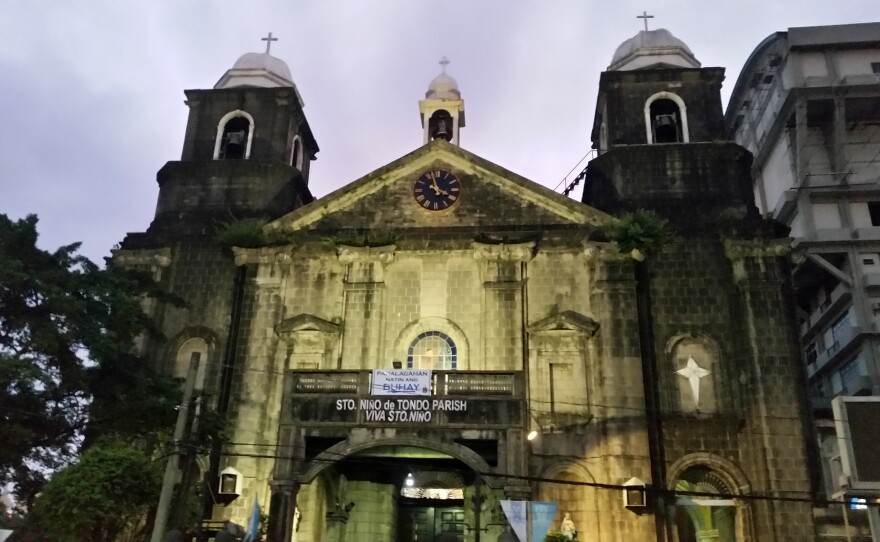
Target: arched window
432,350
440,125
699,518
296,153
666,119
235,133
192,347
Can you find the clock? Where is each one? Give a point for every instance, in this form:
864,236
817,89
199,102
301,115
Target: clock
437,190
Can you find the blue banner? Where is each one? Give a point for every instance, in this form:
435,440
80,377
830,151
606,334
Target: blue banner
516,515
542,516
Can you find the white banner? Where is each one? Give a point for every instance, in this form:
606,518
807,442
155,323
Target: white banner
516,515
401,382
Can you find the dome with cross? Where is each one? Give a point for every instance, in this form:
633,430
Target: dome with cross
257,70
653,49
443,87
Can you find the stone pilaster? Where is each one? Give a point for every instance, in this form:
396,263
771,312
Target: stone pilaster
364,302
774,416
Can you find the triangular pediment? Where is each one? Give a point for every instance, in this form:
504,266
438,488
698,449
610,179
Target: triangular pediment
565,321
490,196
305,322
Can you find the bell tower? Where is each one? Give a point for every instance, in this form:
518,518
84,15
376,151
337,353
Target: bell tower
659,133
442,110
246,151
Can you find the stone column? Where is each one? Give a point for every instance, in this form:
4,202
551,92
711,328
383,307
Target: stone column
364,304
503,302
282,505
337,521
775,419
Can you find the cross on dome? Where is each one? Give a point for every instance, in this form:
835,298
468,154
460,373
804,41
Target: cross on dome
443,63
644,16
268,39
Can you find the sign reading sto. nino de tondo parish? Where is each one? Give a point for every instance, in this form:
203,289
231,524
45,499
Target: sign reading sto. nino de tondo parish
401,382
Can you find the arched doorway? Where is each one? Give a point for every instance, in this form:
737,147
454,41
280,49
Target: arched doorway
702,518
572,497
394,489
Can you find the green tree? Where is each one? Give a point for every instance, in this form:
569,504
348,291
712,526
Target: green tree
67,369
101,497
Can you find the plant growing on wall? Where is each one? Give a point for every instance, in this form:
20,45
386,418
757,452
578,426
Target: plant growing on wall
364,238
640,233
250,233
556,536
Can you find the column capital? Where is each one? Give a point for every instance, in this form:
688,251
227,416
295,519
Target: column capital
350,254
504,252
736,249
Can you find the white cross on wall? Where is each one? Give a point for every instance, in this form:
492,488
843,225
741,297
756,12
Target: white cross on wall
694,373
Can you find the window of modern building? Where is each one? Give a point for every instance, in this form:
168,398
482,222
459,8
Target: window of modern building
874,211
850,373
811,353
875,67
432,350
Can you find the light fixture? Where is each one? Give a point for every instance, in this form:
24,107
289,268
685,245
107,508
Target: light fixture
635,496
410,481
532,435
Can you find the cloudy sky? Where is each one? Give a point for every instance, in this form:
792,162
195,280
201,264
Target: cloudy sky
91,91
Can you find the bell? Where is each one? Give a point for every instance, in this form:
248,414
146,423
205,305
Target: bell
442,130
234,139
663,121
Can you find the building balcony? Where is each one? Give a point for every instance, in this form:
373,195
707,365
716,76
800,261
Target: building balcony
860,385
868,234
455,400
821,317
871,280
846,342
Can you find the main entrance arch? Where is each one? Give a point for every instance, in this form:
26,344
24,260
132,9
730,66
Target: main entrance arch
398,488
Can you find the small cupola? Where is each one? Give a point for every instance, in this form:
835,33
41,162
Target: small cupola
442,110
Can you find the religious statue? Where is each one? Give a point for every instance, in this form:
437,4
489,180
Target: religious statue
568,528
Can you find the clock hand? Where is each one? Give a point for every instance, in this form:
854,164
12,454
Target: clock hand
434,186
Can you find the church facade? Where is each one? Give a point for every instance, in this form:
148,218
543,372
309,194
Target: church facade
396,358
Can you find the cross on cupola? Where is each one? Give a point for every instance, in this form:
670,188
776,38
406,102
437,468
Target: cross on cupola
644,16
268,39
443,63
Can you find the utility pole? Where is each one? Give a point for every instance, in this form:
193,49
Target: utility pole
171,470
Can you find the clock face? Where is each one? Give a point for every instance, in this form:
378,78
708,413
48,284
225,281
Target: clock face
437,190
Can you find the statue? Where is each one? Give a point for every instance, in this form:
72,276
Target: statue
568,528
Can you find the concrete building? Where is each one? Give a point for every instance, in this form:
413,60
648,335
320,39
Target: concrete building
400,356
807,105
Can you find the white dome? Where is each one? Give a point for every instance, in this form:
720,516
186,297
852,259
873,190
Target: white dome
651,47
263,61
443,87
257,70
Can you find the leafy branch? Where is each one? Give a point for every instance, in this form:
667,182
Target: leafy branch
640,233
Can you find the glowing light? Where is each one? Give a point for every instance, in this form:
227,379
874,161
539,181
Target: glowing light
409,480
532,435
